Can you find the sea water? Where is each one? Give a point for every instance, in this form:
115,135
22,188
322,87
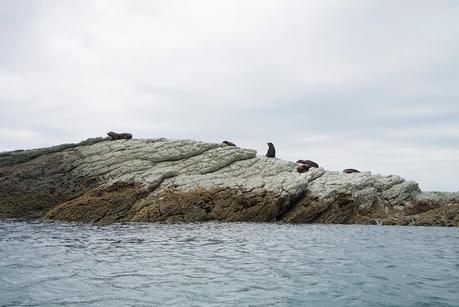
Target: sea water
226,264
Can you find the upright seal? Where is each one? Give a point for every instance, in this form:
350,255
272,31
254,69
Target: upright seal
271,151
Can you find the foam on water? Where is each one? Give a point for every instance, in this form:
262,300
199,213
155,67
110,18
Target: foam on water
53,263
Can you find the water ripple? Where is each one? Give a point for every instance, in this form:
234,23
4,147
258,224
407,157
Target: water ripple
214,264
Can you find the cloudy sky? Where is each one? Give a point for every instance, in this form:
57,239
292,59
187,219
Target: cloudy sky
372,85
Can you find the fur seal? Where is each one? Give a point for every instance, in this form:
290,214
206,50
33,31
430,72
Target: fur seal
228,143
271,151
119,136
350,170
303,168
308,162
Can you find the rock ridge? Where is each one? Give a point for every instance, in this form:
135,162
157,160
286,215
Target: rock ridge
156,180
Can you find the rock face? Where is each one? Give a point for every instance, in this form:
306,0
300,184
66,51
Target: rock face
155,180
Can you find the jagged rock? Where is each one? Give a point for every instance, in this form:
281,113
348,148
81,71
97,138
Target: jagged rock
182,180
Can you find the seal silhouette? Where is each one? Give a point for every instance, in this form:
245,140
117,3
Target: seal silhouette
271,151
308,162
303,168
229,143
350,170
119,136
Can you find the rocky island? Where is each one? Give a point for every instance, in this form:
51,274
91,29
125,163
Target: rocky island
109,180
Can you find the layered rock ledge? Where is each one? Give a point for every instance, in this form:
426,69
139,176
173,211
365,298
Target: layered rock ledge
153,180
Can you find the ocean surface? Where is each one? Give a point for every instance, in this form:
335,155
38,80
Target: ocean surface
227,264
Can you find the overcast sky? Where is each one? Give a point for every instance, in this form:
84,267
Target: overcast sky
372,85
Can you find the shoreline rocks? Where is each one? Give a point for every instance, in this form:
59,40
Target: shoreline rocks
156,180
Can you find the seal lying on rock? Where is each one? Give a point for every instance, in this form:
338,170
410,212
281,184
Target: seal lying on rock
308,162
303,168
271,151
119,136
350,170
228,143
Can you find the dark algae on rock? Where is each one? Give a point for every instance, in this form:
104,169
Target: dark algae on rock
109,180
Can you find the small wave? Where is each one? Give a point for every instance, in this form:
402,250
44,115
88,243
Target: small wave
56,263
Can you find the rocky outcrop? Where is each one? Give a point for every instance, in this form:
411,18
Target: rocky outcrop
156,180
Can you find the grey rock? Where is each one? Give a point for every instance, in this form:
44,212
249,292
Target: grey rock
185,180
